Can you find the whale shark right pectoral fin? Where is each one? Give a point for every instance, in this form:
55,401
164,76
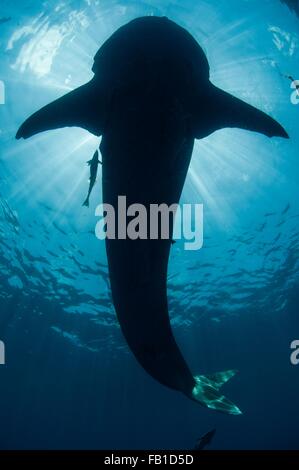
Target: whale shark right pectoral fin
206,392
218,110
83,107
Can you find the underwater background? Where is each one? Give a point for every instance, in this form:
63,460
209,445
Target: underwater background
70,380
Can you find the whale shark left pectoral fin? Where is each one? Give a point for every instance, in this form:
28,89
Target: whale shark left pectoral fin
83,107
206,392
218,109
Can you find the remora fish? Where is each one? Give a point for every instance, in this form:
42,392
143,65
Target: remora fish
93,164
205,440
149,99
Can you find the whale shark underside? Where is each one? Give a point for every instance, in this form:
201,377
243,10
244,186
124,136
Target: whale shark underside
150,97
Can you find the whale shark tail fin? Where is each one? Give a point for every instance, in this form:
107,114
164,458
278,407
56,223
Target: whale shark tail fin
206,392
83,107
224,110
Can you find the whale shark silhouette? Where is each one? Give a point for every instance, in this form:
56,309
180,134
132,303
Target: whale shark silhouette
150,97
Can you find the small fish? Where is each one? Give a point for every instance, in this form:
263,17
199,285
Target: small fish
93,163
205,440
285,210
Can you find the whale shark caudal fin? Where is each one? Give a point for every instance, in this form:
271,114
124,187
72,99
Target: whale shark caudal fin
206,392
223,110
83,107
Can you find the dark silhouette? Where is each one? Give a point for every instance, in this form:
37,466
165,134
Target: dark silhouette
293,5
149,99
4,20
205,440
93,164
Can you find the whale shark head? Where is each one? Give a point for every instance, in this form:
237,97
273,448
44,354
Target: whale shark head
154,57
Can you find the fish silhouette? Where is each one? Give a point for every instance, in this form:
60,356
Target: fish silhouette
205,440
93,165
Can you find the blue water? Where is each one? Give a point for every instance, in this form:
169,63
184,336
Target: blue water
70,381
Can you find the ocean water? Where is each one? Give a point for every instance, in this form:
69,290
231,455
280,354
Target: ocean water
70,380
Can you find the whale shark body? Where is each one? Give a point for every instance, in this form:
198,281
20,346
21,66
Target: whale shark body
150,97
